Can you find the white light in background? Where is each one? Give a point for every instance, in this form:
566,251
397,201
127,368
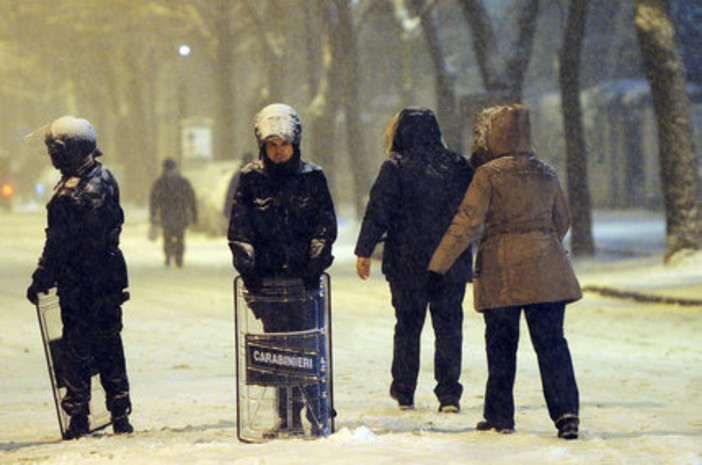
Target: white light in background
184,50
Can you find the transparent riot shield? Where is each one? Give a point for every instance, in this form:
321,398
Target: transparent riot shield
49,313
283,360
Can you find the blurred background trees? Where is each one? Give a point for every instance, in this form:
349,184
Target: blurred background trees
347,66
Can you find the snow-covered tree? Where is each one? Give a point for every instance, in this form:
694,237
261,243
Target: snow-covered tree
678,164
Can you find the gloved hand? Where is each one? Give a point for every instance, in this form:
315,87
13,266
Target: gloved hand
41,282
311,281
32,294
435,284
313,272
253,282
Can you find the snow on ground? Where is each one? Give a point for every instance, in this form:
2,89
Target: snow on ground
638,365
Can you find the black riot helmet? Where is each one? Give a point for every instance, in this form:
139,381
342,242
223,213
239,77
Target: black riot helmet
70,141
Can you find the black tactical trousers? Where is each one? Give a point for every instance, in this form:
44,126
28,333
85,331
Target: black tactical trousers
545,322
446,310
281,317
92,342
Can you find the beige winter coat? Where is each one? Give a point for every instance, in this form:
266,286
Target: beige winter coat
521,259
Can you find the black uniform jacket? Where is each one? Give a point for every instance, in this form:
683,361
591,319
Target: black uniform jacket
282,224
81,254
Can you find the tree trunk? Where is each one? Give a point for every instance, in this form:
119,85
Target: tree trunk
351,104
225,124
324,107
445,81
502,75
484,42
576,152
678,166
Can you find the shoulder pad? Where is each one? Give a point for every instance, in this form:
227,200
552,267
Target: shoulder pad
308,167
72,182
67,187
256,165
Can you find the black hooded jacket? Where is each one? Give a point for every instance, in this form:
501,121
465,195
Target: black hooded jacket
81,254
282,221
413,200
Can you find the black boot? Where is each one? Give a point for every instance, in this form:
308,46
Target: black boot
78,426
486,425
449,406
121,425
404,401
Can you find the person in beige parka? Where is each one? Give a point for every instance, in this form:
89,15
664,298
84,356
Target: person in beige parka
517,203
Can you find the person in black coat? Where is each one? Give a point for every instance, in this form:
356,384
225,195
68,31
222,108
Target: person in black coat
412,202
282,225
82,259
173,206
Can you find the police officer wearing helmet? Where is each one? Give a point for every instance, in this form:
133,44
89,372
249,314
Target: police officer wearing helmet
282,220
282,225
82,259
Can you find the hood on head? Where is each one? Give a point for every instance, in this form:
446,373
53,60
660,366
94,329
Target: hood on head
169,164
500,130
416,128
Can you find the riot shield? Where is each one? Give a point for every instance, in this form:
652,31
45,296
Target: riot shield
283,360
49,313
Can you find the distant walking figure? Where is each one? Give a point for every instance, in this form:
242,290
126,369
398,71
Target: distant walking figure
173,207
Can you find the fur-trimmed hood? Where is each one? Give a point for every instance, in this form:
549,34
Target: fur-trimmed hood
500,130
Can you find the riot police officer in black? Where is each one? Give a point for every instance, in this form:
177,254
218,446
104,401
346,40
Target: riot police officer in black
282,226
82,259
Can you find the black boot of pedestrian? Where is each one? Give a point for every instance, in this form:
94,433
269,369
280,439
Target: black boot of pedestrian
404,401
568,427
486,425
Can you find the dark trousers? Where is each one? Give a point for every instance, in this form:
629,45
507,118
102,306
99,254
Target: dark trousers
447,319
174,244
91,338
281,317
545,322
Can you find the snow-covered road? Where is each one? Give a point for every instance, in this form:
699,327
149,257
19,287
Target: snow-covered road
638,368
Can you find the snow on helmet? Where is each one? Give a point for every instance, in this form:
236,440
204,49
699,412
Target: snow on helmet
70,127
277,120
